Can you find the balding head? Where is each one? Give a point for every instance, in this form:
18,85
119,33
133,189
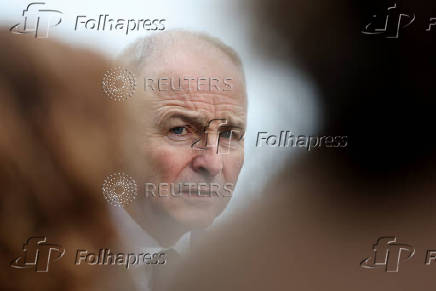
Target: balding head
183,55
143,51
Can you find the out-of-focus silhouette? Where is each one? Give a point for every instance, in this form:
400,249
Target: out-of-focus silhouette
319,219
60,136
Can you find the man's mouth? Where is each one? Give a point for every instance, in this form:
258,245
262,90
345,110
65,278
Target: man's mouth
197,191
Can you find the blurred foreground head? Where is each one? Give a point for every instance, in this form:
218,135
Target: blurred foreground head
321,217
60,138
377,89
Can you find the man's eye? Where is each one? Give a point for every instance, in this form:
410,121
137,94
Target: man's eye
231,133
180,130
180,133
226,134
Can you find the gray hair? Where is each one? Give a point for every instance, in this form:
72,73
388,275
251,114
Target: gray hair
137,55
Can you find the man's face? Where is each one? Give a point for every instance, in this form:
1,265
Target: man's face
194,135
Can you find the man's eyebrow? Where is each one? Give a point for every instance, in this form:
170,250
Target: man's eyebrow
234,122
191,117
199,119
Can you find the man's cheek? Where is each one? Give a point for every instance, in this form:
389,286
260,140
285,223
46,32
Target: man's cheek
237,160
168,162
232,167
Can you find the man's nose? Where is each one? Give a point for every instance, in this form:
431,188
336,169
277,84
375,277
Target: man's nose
208,162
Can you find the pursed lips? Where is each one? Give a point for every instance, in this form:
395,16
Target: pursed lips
196,191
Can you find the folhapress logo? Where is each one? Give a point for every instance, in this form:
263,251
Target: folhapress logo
387,254
219,134
38,254
391,22
37,20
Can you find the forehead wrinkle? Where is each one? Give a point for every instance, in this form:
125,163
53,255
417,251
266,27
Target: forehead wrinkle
212,107
191,106
197,95
201,116
164,113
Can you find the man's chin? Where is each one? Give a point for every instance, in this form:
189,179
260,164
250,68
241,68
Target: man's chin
195,218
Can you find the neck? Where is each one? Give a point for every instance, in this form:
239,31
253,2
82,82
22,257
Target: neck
163,228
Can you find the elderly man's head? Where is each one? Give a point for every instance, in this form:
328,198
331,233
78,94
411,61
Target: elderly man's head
192,117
